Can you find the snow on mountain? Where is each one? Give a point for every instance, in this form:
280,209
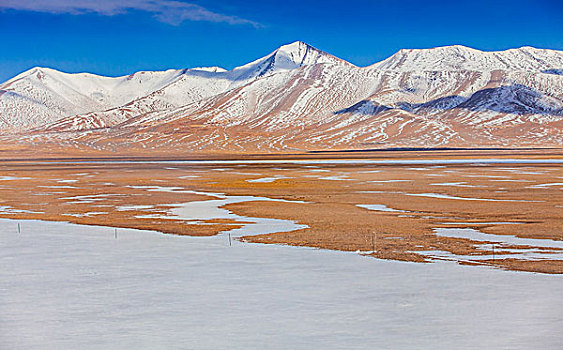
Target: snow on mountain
210,69
42,95
190,86
287,57
317,107
301,97
459,57
198,84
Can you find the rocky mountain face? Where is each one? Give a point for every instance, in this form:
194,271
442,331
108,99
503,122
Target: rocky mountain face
299,97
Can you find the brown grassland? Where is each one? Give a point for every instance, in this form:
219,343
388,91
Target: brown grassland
523,200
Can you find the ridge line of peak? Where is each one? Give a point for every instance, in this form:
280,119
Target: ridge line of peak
301,53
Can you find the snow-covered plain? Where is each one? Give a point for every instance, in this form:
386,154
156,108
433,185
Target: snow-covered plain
77,287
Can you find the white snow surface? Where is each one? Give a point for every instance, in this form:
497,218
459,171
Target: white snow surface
77,287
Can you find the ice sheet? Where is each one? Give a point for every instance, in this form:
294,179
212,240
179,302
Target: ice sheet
67,286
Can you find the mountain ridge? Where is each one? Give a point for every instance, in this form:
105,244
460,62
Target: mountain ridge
521,48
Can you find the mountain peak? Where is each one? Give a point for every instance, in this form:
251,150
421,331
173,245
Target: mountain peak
295,47
298,53
296,43
287,57
38,72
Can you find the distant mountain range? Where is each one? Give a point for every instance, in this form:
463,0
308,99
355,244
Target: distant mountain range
299,98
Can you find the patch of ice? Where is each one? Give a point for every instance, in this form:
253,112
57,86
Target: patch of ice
85,199
454,184
483,223
521,255
380,207
222,169
488,176
547,185
389,181
133,207
336,178
213,209
445,196
268,179
476,235
10,178
510,180
6,209
61,186
85,215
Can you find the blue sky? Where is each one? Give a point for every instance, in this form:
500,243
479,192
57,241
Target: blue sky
120,37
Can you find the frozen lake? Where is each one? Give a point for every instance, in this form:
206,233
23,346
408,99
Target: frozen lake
68,286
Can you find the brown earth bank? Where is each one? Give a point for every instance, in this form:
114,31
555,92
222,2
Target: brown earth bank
13,150
412,201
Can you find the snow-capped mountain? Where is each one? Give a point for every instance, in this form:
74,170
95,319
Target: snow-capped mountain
459,57
301,97
179,88
43,95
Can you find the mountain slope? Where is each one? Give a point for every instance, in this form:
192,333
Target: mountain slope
43,95
194,85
